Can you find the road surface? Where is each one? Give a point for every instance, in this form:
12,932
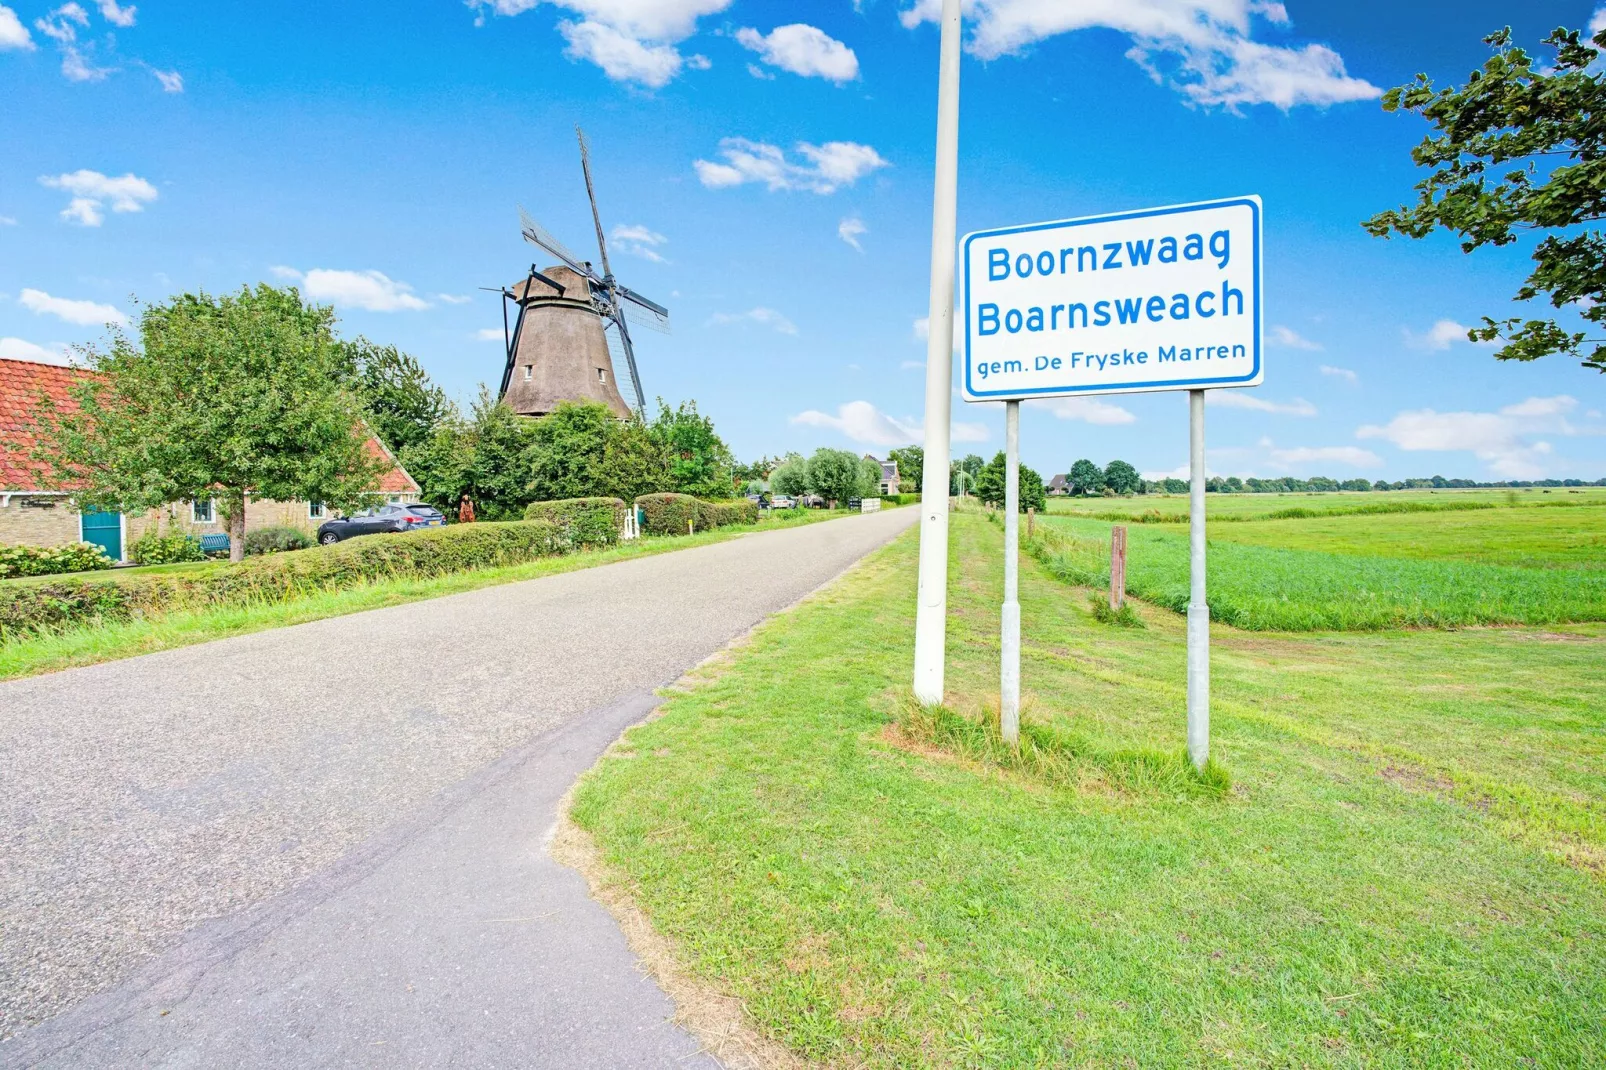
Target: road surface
322,845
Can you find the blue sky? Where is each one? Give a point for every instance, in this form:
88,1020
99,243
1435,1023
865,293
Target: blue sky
768,170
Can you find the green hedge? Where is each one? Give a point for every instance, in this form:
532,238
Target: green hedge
278,539
583,521
26,607
674,514
52,560
157,548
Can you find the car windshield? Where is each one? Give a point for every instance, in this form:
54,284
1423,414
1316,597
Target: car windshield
423,510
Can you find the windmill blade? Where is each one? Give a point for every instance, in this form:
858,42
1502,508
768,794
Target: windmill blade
617,342
536,234
643,312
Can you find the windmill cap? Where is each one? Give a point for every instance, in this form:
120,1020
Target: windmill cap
575,287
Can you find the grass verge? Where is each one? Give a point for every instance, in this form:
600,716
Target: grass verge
54,649
1406,869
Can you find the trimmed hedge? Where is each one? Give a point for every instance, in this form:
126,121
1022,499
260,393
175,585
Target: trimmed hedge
583,521
670,514
278,539
27,607
157,548
52,560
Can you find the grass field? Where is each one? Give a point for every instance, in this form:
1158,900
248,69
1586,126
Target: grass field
32,654
1232,507
1407,869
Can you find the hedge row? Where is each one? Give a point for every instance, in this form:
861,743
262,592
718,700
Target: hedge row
26,607
52,560
583,521
676,514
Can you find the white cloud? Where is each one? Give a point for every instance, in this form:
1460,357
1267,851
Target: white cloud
1597,21
59,24
13,34
760,73
117,16
75,68
768,317
828,168
455,299
20,349
172,81
490,334
91,190
803,49
1439,337
850,230
1237,399
83,313
281,272
631,40
640,241
1088,410
1288,338
922,328
1353,456
912,365
373,291
7,221
1202,48
1339,373
1502,440
862,422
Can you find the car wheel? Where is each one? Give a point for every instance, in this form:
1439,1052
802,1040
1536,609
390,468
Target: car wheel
328,538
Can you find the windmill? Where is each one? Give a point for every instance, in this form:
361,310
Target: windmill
572,323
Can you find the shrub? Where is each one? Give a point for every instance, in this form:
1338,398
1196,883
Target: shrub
158,548
583,521
275,540
276,577
725,514
51,560
667,514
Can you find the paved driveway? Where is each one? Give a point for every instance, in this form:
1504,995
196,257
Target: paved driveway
321,845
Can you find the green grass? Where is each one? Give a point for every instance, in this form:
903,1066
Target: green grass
1235,507
1405,871
29,655
1261,587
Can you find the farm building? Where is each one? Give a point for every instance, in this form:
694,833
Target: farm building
33,515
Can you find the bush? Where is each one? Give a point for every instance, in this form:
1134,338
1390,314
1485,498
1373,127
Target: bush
275,540
725,514
667,514
583,521
156,548
276,577
51,560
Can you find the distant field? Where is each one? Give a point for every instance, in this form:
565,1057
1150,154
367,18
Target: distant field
1530,537
1263,587
1235,506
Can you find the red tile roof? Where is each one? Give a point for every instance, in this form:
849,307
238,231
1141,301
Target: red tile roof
21,383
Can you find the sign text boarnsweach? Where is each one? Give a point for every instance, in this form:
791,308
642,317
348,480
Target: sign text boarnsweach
1160,299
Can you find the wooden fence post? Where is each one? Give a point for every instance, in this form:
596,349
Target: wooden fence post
1117,566
1031,512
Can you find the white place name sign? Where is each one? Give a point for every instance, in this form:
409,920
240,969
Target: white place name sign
1160,299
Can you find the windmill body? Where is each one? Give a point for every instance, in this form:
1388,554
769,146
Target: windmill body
572,323
559,350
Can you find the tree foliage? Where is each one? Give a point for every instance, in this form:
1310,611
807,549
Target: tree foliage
699,462
911,461
1519,148
1085,477
227,397
835,475
403,405
1122,478
791,476
991,490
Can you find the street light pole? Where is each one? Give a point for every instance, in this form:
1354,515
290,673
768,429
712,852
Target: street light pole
931,613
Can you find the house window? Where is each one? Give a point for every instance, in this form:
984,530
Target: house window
602,376
315,510
527,373
201,511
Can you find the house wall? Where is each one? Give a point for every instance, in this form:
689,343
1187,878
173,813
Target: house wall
38,520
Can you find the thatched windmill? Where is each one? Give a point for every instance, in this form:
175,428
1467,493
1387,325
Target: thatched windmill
571,323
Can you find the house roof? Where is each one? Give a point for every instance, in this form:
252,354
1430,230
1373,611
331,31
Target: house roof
21,383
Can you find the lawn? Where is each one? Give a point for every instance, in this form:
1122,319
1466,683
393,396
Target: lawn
30,654
1407,869
1232,507
1263,587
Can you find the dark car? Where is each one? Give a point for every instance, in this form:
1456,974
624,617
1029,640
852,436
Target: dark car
383,518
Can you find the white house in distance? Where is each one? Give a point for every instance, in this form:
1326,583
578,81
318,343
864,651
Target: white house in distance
889,474
33,516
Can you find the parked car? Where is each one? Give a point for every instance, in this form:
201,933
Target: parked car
383,518
783,501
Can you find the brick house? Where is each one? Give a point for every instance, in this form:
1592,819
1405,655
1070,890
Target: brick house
34,516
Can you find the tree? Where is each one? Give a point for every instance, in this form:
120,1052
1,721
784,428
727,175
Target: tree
963,473
1085,477
990,485
1515,116
226,398
1122,477
582,450
791,477
834,475
403,405
869,478
699,461
911,462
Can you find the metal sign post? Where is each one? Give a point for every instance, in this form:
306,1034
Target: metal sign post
931,611
1158,299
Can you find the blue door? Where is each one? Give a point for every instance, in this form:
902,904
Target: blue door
106,531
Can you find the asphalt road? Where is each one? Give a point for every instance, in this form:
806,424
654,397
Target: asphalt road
322,845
